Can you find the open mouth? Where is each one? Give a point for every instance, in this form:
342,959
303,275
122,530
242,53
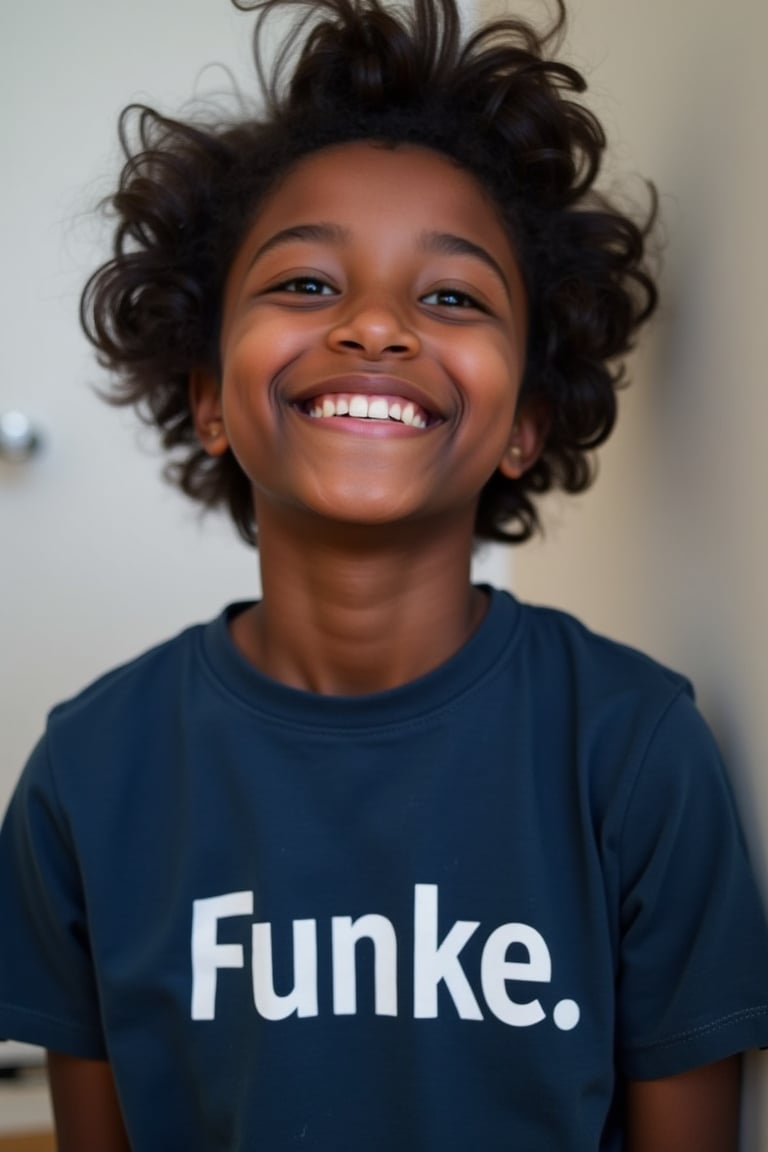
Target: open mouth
393,408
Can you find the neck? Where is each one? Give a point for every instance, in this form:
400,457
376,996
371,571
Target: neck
357,612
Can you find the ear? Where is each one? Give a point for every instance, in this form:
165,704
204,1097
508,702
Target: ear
528,439
205,406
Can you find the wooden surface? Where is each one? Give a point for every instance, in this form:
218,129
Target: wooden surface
28,1142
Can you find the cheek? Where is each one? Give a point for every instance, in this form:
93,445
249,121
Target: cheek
245,398
257,350
251,362
266,338
493,375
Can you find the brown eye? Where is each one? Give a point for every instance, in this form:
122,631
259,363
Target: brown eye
304,286
451,298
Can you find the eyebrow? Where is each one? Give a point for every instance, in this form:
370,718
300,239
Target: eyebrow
441,243
452,245
320,233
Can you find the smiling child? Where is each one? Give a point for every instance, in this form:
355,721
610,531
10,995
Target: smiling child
383,860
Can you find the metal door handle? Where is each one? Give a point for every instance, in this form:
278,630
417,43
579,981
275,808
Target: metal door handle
19,439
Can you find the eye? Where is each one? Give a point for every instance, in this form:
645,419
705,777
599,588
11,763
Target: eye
304,286
451,298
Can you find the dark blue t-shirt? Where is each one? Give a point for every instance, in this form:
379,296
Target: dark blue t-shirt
457,914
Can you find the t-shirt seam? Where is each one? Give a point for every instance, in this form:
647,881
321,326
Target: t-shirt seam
61,818
642,762
702,1030
401,725
57,1021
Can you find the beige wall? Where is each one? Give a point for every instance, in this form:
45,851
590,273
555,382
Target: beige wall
670,551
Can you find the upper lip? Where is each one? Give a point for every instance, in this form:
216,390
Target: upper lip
370,384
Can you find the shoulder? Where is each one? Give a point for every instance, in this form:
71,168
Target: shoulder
137,675
610,712
140,687
567,660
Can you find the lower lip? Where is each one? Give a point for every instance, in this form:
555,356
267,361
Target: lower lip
377,429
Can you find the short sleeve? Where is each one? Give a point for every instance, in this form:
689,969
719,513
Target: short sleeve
693,978
48,993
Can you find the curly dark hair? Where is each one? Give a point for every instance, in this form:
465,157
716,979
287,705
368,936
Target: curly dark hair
355,69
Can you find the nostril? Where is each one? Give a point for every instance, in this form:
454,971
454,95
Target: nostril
372,341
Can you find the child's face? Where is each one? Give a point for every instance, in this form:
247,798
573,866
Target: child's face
380,278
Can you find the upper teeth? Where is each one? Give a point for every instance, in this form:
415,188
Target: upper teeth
368,408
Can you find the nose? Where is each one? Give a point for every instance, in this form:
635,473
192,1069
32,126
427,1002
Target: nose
373,329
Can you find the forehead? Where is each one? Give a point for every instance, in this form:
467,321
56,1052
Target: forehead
369,186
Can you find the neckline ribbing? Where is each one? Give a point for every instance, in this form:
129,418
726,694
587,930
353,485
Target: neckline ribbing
409,703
